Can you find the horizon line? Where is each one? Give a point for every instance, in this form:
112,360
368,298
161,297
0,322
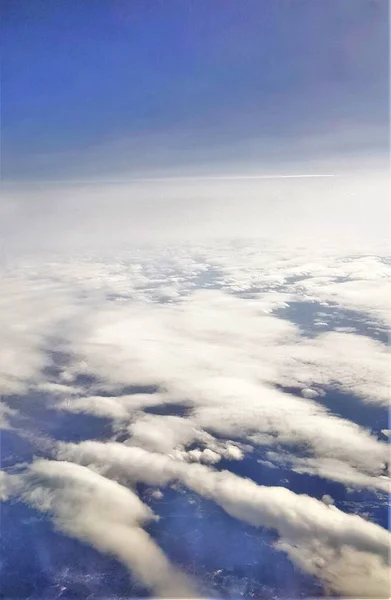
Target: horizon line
168,179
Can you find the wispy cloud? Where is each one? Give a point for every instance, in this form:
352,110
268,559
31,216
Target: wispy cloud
104,215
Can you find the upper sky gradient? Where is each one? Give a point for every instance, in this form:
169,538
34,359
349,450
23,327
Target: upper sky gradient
113,88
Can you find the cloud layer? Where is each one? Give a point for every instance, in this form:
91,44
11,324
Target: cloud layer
191,355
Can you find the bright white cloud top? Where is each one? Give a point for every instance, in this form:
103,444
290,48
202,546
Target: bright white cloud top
191,379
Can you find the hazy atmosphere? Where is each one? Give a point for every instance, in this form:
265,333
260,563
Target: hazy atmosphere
195,272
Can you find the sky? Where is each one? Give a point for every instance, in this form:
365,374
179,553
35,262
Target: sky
246,368
105,91
143,85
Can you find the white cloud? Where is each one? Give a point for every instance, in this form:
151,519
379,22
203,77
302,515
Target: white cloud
118,408
303,523
107,215
352,363
162,434
219,356
355,573
334,470
309,393
370,295
5,413
30,311
87,506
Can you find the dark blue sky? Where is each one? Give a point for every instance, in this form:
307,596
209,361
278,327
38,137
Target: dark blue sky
134,86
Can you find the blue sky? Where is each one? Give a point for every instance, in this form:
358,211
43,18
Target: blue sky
126,88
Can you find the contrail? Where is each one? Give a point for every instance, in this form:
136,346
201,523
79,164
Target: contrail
190,178
230,177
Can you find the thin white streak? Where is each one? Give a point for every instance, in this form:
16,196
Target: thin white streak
174,179
231,177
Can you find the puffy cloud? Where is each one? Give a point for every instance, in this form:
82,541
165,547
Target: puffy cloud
5,413
209,456
304,524
163,434
119,408
206,456
221,357
352,363
368,294
9,485
327,499
263,411
287,420
309,393
101,512
30,311
209,333
334,470
157,494
357,574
